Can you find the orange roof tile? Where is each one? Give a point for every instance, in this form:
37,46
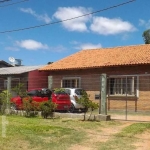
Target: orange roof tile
96,58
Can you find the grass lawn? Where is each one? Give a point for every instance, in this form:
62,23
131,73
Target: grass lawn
21,133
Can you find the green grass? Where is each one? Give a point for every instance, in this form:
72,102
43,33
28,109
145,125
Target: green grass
125,139
38,132
117,144
44,133
134,129
60,134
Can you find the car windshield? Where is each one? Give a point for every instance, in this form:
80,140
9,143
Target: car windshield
68,91
79,91
46,92
39,93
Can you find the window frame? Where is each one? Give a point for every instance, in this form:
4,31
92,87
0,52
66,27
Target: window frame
131,83
77,83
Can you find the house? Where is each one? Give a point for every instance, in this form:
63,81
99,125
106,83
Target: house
30,76
4,64
127,69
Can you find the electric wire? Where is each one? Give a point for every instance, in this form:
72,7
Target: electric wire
14,3
2,1
56,22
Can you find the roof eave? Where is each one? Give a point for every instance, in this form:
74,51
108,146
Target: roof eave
91,67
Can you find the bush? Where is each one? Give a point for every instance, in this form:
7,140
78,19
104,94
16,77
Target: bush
59,90
4,101
47,109
31,107
87,103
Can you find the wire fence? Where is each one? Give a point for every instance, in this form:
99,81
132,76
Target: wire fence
128,96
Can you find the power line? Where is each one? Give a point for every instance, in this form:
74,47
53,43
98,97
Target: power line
56,22
13,3
2,1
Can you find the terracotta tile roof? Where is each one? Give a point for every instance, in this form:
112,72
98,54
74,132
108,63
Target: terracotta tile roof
96,58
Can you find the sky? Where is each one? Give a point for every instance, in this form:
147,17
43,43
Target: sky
46,37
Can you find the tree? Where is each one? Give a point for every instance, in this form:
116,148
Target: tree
87,103
146,36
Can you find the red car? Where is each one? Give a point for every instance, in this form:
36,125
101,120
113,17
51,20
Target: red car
61,98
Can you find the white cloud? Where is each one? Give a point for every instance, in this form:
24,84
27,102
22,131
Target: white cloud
31,45
144,23
44,17
90,46
106,26
81,46
78,24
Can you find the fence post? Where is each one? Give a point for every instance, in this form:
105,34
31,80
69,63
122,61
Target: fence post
103,107
8,92
103,101
50,82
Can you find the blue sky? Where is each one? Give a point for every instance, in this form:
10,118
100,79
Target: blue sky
119,26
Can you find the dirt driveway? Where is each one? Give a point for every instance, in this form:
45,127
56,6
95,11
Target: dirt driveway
142,142
131,118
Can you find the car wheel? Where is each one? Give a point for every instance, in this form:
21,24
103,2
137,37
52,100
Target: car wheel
72,108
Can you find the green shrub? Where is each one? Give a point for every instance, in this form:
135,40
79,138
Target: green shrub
47,109
87,103
59,90
4,101
30,107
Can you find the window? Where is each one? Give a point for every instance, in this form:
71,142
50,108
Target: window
122,86
71,82
14,82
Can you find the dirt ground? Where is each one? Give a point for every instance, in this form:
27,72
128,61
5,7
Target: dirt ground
131,118
142,143
144,138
